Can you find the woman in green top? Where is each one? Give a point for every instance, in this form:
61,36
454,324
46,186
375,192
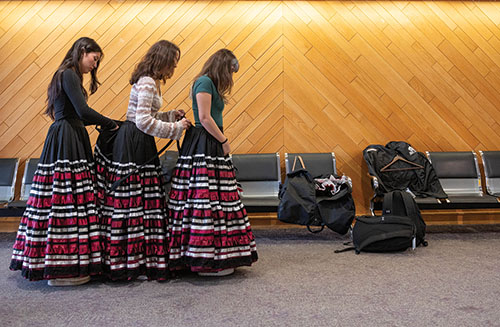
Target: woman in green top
209,229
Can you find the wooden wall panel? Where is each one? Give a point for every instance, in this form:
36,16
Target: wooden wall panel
316,76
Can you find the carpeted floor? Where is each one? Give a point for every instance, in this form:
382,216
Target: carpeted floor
298,281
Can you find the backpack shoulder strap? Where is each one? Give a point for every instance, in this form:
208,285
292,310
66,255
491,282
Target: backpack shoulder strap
387,205
351,248
410,206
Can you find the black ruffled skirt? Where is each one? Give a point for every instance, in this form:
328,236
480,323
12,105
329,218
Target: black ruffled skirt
59,235
134,217
209,227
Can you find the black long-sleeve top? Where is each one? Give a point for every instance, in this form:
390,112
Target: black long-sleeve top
71,103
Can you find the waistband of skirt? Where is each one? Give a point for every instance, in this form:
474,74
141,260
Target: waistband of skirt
72,121
199,127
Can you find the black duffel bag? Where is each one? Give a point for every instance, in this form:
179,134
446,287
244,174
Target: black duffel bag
298,199
337,211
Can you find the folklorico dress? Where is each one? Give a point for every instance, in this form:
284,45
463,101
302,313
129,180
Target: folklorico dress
59,235
134,214
209,227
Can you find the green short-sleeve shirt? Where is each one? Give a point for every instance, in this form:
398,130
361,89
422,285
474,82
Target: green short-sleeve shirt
205,84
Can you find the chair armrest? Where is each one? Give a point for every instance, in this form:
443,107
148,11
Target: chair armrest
374,182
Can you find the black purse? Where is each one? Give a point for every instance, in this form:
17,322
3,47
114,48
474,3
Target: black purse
337,211
298,199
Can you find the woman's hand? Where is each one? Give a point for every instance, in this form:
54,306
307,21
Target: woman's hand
179,114
186,123
226,147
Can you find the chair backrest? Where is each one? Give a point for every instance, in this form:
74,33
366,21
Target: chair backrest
260,177
458,172
491,164
168,160
8,174
316,163
29,172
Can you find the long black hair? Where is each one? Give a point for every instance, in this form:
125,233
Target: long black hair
72,61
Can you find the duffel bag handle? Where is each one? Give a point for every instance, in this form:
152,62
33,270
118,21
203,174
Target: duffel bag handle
301,162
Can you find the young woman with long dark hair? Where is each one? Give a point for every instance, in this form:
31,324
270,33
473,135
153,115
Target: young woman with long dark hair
59,237
209,229
134,214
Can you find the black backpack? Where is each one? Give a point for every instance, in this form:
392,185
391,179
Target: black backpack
400,227
401,203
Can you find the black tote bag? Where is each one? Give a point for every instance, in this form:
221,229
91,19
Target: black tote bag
337,211
298,198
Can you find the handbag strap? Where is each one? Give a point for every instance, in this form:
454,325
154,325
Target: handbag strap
121,180
124,178
301,162
314,231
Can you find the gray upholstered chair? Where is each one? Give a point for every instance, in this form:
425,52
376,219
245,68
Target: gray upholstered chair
8,174
168,160
491,164
460,177
260,177
29,172
317,164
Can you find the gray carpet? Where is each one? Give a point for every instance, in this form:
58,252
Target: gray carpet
298,281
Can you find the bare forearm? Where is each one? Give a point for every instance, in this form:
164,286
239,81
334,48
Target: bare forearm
209,124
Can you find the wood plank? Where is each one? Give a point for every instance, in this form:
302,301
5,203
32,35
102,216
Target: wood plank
426,34
469,70
323,29
72,21
26,22
425,73
491,10
312,74
8,81
260,47
274,141
16,9
389,75
468,21
276,112
421,89
268,117
453,41
341,64
342,26
456,122
14,93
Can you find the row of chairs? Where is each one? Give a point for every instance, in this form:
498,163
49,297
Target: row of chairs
460,177
260,177
8,177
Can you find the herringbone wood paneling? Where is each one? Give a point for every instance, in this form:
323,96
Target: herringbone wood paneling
316,76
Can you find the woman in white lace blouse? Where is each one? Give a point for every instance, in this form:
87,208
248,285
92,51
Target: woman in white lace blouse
134,214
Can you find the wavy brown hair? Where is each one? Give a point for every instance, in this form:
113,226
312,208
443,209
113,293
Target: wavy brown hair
72,61
219,68
161,54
